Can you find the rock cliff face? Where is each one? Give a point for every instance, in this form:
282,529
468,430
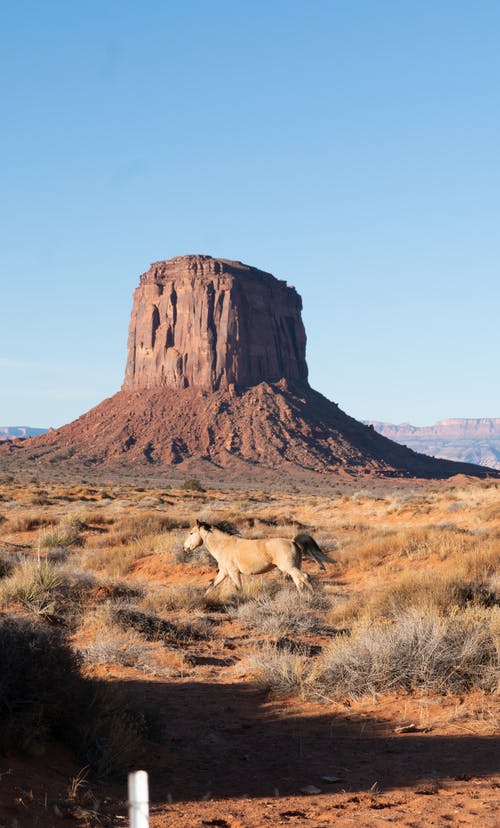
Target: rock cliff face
465,440
216,385
199,322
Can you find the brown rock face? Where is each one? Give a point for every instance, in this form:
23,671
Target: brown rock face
207,323
216,385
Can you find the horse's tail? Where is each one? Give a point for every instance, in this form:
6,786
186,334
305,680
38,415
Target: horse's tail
308,545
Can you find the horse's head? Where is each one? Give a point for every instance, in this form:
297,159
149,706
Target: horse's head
195,537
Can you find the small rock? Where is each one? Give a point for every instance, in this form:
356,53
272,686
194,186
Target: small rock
331,779
427,787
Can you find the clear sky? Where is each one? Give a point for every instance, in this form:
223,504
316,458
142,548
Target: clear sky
350,147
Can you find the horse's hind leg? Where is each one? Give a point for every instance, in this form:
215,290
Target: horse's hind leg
235,576
300,579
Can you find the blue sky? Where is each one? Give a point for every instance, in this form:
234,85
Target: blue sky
350,147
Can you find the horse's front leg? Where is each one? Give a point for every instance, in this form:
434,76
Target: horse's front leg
218,580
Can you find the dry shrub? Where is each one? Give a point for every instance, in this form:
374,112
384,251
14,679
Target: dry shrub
31,583
255,587
39,675
281,669
424,592
134,527
116,561
153,628
43,696
109,643
277,527
63,536
184,597
171,543
192,485
418,651
7,564
37,498
86,519
161,598
29,522
112,734
283,613
56,593
126,648
115,552
491,512
436,653
376,546
483,561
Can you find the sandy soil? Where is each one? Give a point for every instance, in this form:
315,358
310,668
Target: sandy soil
228,754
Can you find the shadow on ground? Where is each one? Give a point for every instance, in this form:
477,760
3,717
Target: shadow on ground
230,740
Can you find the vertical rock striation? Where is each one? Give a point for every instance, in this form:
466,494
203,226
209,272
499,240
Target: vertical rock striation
211,323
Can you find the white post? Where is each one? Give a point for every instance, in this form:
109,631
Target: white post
138,799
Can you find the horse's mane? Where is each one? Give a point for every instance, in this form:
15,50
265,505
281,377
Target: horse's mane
223,526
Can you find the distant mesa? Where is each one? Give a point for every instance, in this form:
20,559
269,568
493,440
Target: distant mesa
216,384
465,440
20,432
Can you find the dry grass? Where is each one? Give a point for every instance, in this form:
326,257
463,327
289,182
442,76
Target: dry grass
127,649
63,536
432,593
51,591
115,561
438,653
283,670
483,561
43,696
414,592
31,583
376,546
28,522
283,613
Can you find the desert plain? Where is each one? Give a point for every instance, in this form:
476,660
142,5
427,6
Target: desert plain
372,701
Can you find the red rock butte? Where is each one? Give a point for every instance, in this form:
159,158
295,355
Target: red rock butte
199,322
216,385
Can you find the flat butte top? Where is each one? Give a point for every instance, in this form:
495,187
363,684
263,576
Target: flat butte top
203,267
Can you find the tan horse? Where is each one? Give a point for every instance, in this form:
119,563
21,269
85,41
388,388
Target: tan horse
237,556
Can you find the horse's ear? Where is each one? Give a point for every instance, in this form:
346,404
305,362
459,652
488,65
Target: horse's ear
198,524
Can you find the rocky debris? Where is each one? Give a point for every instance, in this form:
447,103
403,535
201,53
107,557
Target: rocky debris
218,435
199,322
